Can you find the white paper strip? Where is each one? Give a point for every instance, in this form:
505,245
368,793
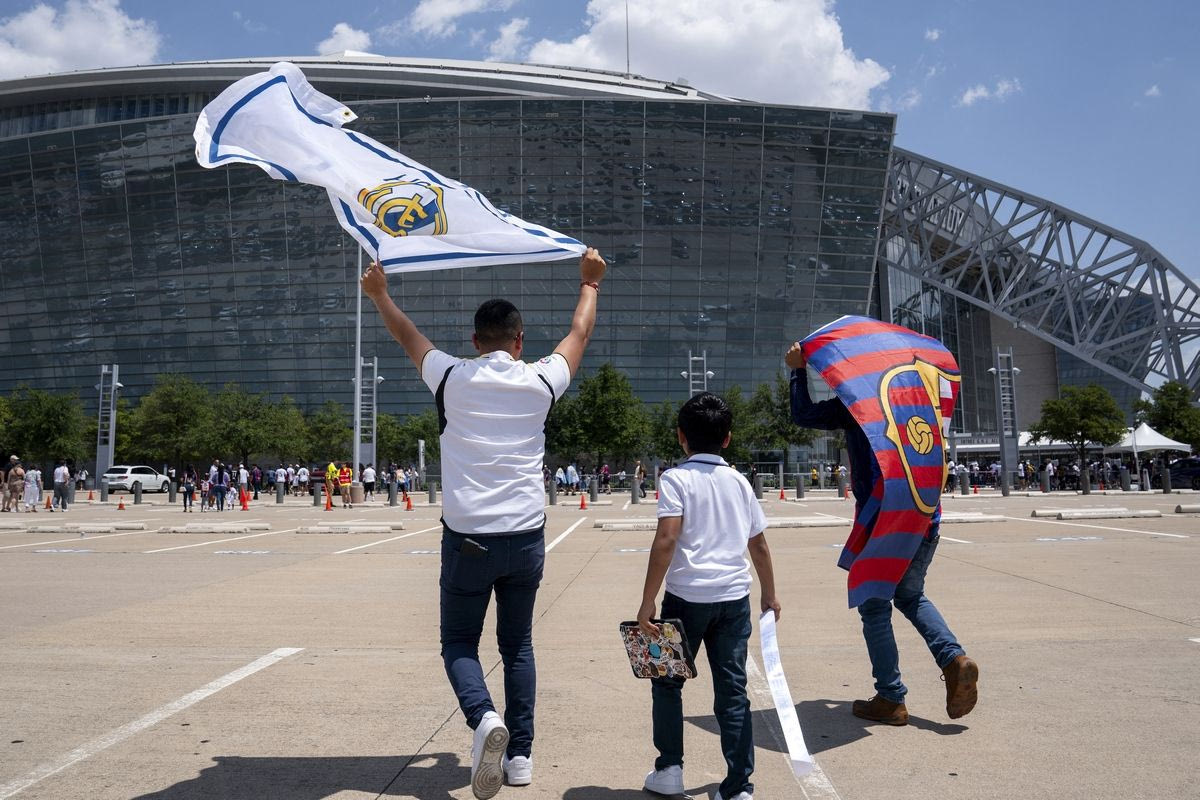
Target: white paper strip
802,761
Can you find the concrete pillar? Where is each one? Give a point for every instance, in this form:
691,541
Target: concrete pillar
758,486
800,486
357,493
103,489
1045,481
318,490
137,493
432,492
1166,479
393,493
170,492
1126,483
279,490
964,483
594,489
841,484
635,496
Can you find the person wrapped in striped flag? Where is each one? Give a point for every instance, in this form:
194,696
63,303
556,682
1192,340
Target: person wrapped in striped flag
895,392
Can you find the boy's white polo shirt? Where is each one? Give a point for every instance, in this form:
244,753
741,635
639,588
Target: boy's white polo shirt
494,441
720,516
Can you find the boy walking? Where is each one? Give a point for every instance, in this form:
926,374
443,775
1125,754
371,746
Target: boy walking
707,518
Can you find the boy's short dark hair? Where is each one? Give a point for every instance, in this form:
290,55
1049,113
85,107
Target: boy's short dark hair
705,421
497,322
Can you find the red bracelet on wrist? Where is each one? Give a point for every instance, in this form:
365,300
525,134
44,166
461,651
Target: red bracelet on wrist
592,284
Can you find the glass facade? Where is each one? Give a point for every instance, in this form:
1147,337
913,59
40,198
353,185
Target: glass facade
728,227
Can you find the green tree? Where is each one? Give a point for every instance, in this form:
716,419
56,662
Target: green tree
1170,412
1082,415
771,419
44,427
663,432
565,435
329,433
414,428
171,423
241,423
612,417
287,432
738,451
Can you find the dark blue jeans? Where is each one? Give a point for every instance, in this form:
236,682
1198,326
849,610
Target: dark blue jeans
512,567
911,600
724,628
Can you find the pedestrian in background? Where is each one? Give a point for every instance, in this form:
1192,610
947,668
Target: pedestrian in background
62,483
189,486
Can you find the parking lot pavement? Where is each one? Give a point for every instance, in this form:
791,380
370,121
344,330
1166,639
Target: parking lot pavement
270,663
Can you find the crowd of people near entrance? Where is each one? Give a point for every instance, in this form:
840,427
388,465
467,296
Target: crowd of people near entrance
24,486
223,486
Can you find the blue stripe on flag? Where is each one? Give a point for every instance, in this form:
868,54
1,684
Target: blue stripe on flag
348,215
236,107
433,178
446,256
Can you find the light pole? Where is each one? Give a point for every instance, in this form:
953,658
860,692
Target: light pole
697,373
106,421
1006,414
357,448
366,406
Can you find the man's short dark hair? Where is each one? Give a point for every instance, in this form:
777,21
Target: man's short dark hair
497,322
705,421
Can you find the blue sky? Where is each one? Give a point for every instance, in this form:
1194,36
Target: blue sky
1092,105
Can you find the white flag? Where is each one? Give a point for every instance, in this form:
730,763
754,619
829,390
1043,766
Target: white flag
407,215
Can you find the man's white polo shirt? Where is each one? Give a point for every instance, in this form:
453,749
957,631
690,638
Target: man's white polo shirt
720,515
493,437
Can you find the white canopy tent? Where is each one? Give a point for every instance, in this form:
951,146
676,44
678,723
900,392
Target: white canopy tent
1143,438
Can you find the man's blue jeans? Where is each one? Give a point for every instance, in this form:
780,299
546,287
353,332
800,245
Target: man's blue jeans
911,600
724,628
512,566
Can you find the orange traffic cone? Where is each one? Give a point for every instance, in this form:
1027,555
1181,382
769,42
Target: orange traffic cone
582,502
407,502
245,499
121,504
48,503
846,496
782,496
656,494
976,488
91,495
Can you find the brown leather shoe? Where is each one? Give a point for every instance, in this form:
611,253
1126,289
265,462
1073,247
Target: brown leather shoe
962,675
879,710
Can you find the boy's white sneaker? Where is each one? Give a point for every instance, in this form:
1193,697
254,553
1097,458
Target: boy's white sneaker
487,748
738,796
518,770
667,781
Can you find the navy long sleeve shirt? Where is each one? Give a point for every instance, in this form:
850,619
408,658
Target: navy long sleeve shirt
829,415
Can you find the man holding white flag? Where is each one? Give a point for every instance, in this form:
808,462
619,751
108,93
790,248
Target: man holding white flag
406,214
492,420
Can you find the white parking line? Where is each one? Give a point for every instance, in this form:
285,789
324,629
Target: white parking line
138,725
1102,527
216,541
1197,641
73,539
946,538
626,506
385,541
815,785
565,533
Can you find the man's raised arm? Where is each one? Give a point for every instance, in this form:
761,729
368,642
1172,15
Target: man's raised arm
591,272
374,284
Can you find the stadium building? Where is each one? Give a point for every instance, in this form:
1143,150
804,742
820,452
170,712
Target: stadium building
731,228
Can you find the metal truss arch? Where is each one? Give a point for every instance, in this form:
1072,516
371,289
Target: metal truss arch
1089,289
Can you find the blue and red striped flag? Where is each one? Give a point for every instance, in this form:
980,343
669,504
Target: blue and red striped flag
900,386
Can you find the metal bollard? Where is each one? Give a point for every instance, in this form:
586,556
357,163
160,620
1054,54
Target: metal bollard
1126,483
171,492
635,496
594,489
841,484
137,493
71,492
279,490
800,486
318,489
758,487
1045,481
964,483
1166,480
103,489
392,494
553,490
432,492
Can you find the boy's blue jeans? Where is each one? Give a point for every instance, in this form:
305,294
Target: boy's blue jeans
512,566
910,599
724,628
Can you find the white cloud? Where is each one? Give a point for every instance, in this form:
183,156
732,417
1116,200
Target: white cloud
439,18
1004,88
509,41
787,51
933,34
1153,91
85,34
248,24
343,37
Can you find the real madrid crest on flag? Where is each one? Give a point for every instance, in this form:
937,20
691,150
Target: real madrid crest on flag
900,387
407,215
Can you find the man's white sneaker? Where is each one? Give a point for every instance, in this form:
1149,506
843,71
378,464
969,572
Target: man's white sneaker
491,740
738,796
518,770
667,781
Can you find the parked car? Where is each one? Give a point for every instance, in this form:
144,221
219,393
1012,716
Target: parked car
124,477
1185,473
